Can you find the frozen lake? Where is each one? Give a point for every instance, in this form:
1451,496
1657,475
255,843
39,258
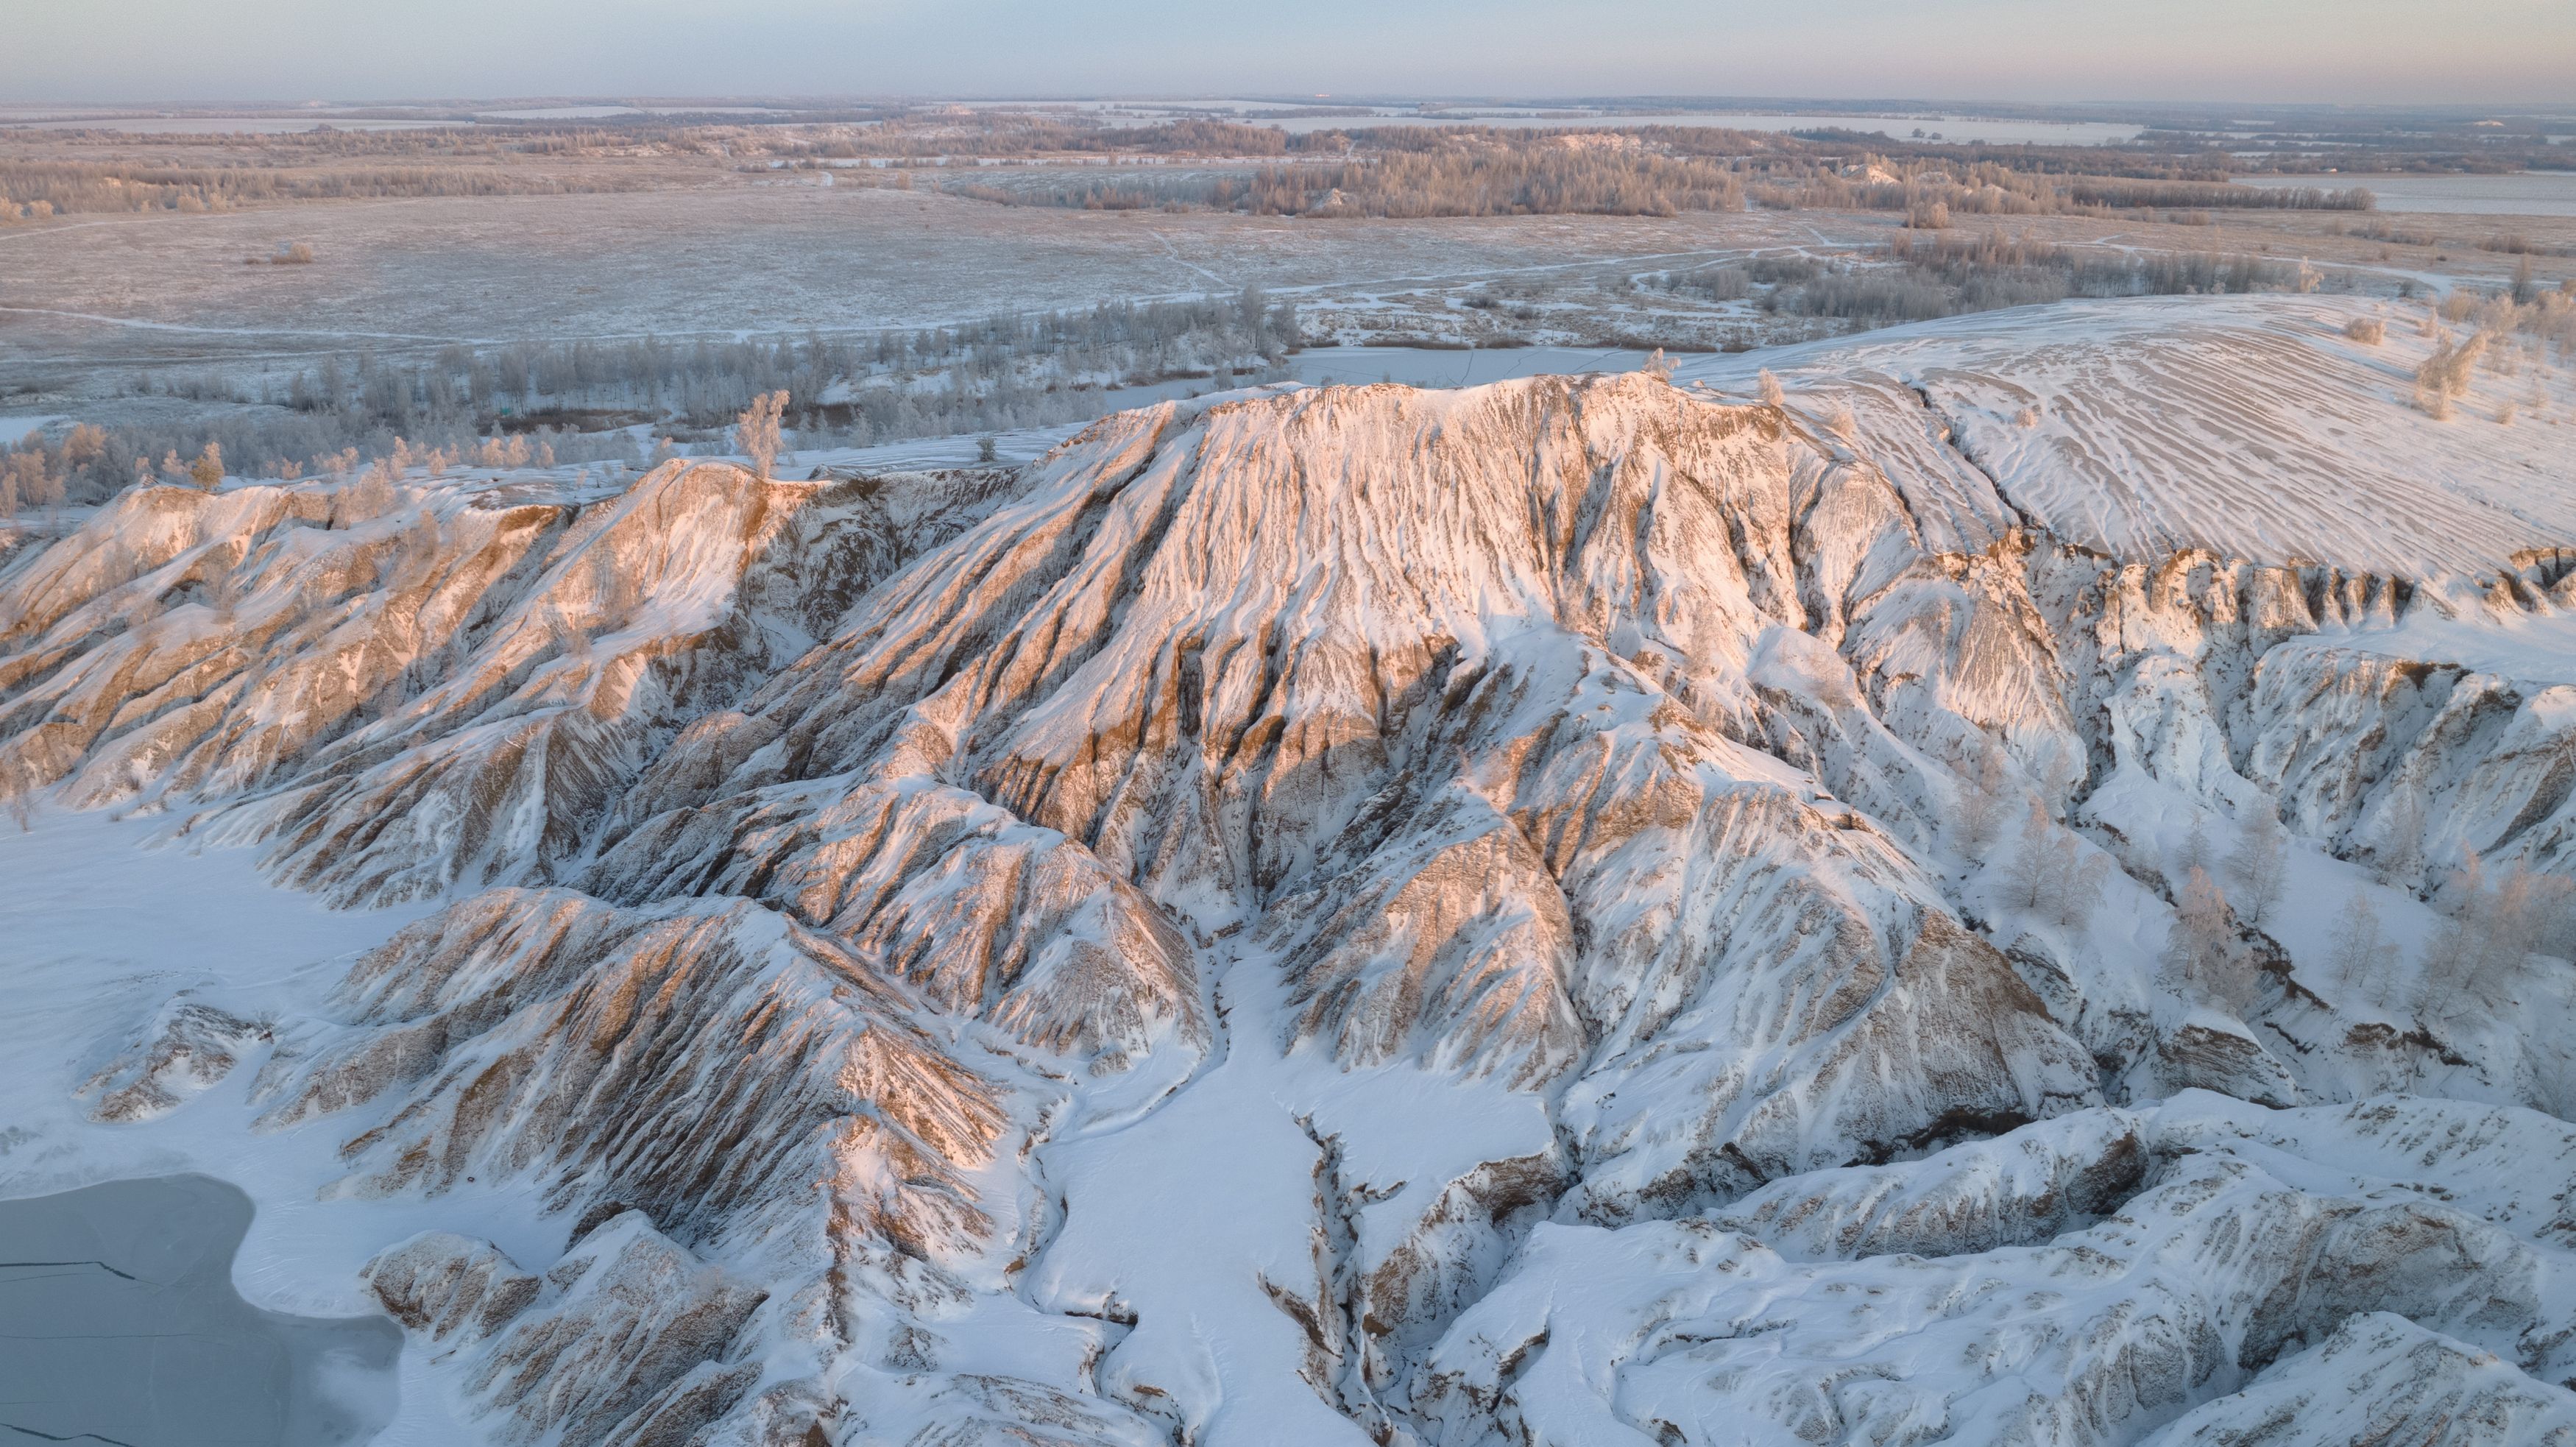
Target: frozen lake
13,428
117,1302
2523,193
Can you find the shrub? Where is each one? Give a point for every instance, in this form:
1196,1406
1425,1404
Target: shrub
2446,374
2368,330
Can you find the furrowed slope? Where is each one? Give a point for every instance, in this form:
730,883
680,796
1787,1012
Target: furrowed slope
2249,427
1569,911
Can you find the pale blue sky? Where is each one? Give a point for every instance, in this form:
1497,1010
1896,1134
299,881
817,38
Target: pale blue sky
2288,50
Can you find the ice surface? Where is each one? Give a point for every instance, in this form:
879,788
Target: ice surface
119,1307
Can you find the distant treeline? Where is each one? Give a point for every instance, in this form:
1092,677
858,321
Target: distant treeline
1492,180
1426,171
596,401
1946,274
2202,196
34,190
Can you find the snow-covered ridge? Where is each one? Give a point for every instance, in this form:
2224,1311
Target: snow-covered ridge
1577,911
2250,427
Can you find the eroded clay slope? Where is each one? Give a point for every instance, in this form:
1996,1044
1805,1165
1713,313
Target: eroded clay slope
1572,911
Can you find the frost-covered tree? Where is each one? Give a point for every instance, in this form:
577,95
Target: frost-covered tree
1770,385
34,484
2202,961
1981,799
208,470
2027,878
2195,845
2398,851
2057,779
2260,860
756,432
2361,954
2492,933
2051,875
2080,880
84,444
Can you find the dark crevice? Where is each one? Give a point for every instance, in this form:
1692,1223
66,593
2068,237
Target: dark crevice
72,1437
1951,439
101,1265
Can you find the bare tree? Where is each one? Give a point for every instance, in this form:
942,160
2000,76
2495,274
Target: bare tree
2080,881
2362,955
2492,932
2052,876
2399,849
2201,958
757,431
1981,799
2057,781
2027,878
2195,845
2260,860
1770,385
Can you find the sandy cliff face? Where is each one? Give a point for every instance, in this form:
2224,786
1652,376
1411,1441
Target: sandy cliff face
1573,911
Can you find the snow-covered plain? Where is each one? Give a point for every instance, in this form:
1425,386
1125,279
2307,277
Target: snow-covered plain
1573,911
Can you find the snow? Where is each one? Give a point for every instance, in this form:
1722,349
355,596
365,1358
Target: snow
1186,1220
2249,426
1324,915
98,927
2531,648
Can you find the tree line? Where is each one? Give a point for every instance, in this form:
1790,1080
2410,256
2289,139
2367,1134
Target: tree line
629,399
